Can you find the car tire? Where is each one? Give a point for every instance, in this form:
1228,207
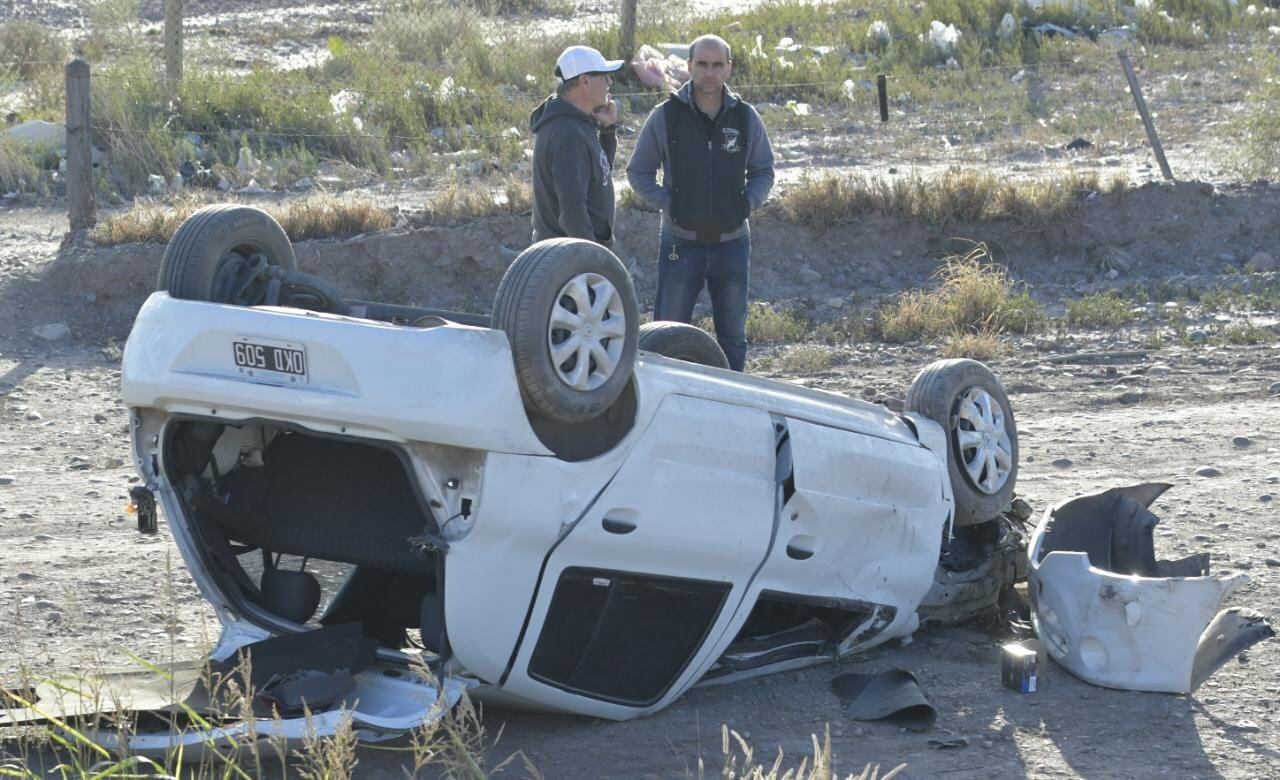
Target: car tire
210,248
682,342
966,399
538,305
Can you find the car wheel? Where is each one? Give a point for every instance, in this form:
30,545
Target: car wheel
218,252
569,309
682,342
966,399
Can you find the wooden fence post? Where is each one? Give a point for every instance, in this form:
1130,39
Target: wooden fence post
627,29
172,45
1136,89
80,198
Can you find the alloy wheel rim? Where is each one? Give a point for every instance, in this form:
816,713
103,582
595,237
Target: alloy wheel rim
984,446
586,331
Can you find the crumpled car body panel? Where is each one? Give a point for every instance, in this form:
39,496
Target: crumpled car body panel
1113,615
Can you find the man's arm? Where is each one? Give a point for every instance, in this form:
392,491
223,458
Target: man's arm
571,176
759,163
646,159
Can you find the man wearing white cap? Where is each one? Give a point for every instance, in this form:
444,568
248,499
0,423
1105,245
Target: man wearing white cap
574,142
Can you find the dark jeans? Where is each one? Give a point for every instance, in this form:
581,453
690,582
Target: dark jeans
685,266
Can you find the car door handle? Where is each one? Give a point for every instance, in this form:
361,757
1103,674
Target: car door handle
618,525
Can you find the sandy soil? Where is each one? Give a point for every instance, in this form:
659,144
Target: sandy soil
80,587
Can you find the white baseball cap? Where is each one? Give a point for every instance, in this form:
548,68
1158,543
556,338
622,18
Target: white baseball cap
576,60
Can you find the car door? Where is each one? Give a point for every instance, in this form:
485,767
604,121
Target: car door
639,597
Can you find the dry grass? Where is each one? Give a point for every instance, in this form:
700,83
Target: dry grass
1105,309
973,296
806,359
21,170
318,216
628,199
461,201
957,196
979,346
766,325
740,762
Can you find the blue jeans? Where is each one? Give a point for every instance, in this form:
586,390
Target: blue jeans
685,266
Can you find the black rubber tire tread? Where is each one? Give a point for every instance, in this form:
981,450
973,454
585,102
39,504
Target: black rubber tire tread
682,341
192,256
522,306
933,394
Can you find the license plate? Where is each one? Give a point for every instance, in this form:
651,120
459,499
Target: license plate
270,361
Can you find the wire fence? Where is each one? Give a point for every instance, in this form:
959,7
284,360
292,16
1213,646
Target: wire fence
366,116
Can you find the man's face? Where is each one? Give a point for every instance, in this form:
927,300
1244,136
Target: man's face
710,69
597,87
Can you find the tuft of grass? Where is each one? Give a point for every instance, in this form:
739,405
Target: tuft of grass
740,762
973,296
957,196
35,55
983,345
766,325
806,359
628,199
22,169
318,216
1100,310
1246,334
460,201
1259,157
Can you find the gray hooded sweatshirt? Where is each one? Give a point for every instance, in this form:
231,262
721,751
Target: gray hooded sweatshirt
572,173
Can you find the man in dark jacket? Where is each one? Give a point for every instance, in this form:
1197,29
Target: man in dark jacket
717,167
574,142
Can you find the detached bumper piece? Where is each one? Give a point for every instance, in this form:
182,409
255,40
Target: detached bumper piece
1113,615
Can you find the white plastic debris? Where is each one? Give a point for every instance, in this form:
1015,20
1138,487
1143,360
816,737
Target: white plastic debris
943,37
878,32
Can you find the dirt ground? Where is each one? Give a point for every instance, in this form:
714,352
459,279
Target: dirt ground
79,586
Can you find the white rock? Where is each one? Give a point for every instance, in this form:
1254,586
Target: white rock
39,133
52,331
808,275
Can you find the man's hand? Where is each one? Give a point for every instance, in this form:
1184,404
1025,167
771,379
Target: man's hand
606,114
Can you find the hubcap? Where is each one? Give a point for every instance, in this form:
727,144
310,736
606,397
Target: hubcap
586,332
983,442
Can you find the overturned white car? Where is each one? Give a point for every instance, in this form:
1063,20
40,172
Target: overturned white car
557,509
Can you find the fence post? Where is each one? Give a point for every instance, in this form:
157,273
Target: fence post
882,92
80,200
172,45
1136,89
627,29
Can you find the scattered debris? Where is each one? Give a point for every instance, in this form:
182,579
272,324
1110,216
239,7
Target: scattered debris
658,70
1113,615
943,37
892,695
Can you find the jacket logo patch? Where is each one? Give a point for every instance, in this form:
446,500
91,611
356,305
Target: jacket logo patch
605,170
730,144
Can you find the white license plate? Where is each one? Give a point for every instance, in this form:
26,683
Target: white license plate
267,360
